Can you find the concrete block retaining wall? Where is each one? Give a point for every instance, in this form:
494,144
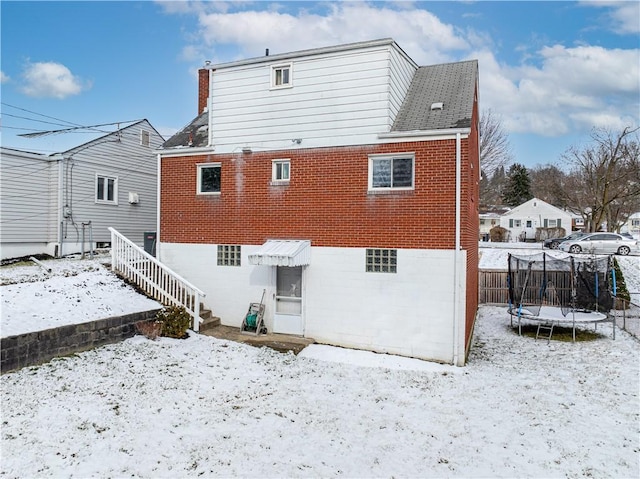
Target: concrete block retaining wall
41,346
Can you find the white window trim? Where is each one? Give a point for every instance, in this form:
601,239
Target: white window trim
142,135
201,166
385,156
274,169
272,76
115,190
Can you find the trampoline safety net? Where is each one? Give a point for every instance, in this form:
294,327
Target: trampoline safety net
569,283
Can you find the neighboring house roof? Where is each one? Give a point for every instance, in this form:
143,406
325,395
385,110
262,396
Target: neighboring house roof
538,205
103,137
195,134
452,84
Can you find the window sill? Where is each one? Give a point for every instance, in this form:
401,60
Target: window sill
390,192
279,183
215,193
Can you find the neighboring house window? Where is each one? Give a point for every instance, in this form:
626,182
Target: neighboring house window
493,222
548,223
552,223
106,189
482,222
514,223
391,172
529,224
280,170
228,255
209,178
145,138
381,261
635,222
281,76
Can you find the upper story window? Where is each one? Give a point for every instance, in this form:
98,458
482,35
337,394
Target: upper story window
280,171
391,172
209,178
145,138
281,76
107,189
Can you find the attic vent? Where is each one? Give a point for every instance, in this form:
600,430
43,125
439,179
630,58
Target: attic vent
437,106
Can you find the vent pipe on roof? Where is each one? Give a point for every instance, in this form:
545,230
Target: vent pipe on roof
437,106
266,52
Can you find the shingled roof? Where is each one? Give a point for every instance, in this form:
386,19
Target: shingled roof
195,134
452,84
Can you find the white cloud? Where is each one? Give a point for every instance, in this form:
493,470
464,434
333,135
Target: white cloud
4,78
419,32
50,79
624,16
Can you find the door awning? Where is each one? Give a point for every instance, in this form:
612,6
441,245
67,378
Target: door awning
282,253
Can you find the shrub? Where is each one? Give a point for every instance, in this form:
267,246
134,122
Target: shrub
175,322
498,234
149,329
622,293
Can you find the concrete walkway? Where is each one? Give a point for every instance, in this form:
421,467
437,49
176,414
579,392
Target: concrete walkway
279,342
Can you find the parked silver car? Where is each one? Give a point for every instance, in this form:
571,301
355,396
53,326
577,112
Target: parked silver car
601,243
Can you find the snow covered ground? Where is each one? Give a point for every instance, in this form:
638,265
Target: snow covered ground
205,407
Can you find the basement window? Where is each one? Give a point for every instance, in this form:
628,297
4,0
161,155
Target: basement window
381,260
209,178
229,255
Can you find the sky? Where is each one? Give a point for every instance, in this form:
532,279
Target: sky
550,72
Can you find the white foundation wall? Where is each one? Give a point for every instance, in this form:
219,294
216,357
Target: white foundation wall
229,289
409,313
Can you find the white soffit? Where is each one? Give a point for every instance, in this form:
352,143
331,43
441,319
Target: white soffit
282,253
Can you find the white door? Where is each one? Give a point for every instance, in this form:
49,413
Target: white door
288,309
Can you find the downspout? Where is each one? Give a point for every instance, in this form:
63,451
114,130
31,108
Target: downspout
158,172
456,255
209,109
60,205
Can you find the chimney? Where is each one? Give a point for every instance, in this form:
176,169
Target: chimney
203,88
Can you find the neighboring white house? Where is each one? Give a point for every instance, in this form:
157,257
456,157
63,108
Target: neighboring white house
633,225
48,203
523,221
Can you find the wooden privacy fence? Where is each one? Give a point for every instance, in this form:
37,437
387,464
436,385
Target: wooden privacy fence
493,286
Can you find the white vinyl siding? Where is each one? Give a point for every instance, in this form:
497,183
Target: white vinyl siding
28,195
135,167
341,98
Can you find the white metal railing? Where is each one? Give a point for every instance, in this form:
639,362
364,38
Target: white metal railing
155,279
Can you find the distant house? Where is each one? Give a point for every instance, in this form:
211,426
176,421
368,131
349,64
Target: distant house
633,225
314,177
64,203
490,218
534,220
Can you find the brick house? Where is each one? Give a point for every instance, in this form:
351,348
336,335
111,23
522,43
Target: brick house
343,183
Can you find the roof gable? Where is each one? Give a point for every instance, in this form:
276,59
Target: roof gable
537,205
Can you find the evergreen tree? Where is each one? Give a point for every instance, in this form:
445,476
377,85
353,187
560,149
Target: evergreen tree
517,187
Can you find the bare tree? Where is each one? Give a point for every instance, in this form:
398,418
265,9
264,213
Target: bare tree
604,181
495,150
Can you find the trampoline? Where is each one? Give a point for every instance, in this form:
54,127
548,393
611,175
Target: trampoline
554,291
